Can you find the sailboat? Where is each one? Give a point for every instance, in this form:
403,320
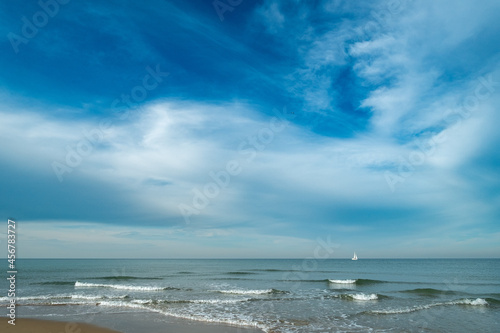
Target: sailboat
355,256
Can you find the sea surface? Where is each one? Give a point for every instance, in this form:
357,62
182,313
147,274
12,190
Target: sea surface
293,295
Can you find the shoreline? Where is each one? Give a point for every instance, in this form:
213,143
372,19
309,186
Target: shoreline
113,322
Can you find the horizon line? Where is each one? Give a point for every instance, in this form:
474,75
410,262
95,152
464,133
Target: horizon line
191,258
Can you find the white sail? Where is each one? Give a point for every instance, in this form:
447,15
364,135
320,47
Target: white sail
355,256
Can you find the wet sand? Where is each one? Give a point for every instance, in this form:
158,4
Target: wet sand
25,325
119,323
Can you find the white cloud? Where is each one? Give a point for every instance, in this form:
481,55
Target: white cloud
270,15
178,144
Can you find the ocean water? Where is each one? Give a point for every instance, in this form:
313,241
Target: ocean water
368,295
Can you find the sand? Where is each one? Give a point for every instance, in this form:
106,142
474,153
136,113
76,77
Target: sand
47,326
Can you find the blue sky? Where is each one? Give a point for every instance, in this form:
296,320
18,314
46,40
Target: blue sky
177,129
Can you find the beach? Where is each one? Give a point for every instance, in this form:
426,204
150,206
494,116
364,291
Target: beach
49,326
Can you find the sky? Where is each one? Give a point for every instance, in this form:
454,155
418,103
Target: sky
250,129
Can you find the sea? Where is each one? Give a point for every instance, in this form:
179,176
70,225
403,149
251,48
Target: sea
274,295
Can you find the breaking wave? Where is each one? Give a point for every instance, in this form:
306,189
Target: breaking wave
251,291
342,281
360,297
122,287
463,302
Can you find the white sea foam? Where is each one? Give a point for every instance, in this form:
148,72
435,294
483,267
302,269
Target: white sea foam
218,301
59,299
90,298
473,302
218,318
363,297
402,310
246,292
142,301
477,301
348,281
136,305
198,317
117,286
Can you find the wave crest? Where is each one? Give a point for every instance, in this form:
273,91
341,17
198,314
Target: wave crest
360,297
465,301
251,291
347,281
121,287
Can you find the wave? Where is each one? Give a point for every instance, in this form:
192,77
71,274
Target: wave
466,301
240,273
356,281
135,305
342,281
369,281
492,301
198,317
360,297
289,270
251,291
233,279
218,301
430,292
98,297
143,301
462,302
272,270
122,287
54,283
34,298
64,297
195,301
296,280
124,277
